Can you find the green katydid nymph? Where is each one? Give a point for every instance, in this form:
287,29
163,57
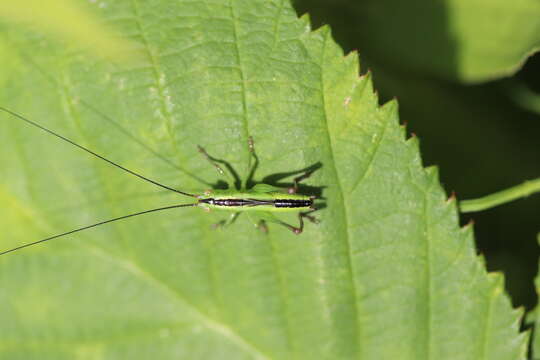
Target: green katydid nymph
261,200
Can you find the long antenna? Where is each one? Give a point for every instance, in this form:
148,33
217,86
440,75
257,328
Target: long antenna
28,121
94,225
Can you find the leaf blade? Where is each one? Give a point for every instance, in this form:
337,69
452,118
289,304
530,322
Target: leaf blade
387,262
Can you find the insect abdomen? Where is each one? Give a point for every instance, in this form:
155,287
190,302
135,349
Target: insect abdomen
290,203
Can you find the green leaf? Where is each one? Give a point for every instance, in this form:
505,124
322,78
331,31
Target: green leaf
467,41
387,273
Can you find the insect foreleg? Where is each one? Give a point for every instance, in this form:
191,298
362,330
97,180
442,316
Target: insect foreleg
215,164
211,160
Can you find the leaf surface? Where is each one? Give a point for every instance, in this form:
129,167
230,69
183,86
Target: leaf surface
387,273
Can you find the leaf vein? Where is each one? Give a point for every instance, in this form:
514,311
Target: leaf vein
371,160
242,78
211,323
349,258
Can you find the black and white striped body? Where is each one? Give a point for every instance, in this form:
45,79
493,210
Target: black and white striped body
249,201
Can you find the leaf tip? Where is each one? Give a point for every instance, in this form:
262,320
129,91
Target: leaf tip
352,53
404,125
451,198
305,20
468,227
367,74
413,141
365,78
433,173
353,60
481,260
324,30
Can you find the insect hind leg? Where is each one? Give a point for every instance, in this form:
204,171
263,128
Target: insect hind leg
300,228
296,181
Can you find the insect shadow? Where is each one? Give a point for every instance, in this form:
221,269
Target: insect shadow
272,179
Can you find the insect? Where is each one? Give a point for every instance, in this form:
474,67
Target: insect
264,199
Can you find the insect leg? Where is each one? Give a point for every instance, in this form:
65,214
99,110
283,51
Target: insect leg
298,230
251,168
211,160
296,180
260,223
215,164
262,226
312,219
266,217
226,222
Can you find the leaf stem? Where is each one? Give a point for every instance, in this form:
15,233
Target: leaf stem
501,197
523,96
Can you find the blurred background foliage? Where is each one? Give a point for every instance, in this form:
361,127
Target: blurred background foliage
59,15
468,85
